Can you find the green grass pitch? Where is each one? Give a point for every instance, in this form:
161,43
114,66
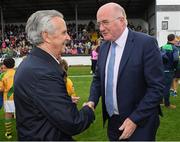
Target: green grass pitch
168,130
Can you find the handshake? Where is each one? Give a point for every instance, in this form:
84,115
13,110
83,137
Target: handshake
90,104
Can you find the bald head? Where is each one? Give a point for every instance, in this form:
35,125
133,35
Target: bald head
111,19
113,10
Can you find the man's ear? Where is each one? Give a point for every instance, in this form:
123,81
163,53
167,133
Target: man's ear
45,37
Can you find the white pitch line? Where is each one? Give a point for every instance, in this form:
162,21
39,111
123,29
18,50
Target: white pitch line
81,76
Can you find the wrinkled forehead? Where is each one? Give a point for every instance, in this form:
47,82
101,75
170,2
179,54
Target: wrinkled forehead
58,22
57,19
108,11
103,14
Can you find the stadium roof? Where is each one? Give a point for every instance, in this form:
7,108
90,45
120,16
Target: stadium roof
20,10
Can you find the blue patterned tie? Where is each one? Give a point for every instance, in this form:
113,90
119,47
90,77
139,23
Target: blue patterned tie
109,84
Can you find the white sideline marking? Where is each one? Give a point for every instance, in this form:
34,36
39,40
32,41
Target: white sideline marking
81,76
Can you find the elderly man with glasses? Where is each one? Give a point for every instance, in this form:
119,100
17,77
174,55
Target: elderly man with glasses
128,77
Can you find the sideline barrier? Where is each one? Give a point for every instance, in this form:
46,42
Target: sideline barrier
72,60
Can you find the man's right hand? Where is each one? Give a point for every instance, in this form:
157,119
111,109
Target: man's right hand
75,99
89,104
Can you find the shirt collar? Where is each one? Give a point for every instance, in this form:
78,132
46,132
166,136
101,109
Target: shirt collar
54,58
122,39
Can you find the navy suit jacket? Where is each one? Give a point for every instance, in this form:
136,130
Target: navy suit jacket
44,111
140,80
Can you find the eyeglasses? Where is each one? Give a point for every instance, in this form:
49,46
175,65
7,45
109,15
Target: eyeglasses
106,23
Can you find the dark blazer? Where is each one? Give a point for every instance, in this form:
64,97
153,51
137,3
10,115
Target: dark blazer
140,80
44,111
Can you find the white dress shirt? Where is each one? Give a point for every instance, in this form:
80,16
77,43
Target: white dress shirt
121,41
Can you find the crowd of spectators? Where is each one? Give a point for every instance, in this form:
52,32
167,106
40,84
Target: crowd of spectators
15,43
137,28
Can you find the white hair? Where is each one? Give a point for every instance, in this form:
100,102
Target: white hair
39,22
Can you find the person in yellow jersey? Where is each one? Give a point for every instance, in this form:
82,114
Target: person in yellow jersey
69,84
7,87
2,68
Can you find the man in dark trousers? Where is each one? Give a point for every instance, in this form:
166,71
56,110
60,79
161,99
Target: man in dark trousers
44,110
128,77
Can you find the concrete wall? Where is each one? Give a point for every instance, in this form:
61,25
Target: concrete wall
167,19
78,60
168,2
72,60
172,19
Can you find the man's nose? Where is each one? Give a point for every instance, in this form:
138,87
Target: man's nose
68,37
101,27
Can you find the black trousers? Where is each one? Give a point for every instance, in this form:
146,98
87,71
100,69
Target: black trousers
168,81
93,66
113,128
144,132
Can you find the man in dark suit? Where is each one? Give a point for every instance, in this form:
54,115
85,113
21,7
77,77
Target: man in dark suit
44,110
128,77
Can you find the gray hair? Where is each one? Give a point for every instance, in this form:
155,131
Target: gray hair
39,22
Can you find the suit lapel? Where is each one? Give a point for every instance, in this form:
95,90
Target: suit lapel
126,53
105,49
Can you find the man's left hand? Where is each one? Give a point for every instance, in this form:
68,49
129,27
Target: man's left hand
128,127
75,99
89,104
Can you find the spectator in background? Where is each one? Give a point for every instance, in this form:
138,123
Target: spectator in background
2,69
1,98
67,80
44,110
170,57
94,57
174,87
3,44
7,87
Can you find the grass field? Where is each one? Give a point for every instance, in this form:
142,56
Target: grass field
170,122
